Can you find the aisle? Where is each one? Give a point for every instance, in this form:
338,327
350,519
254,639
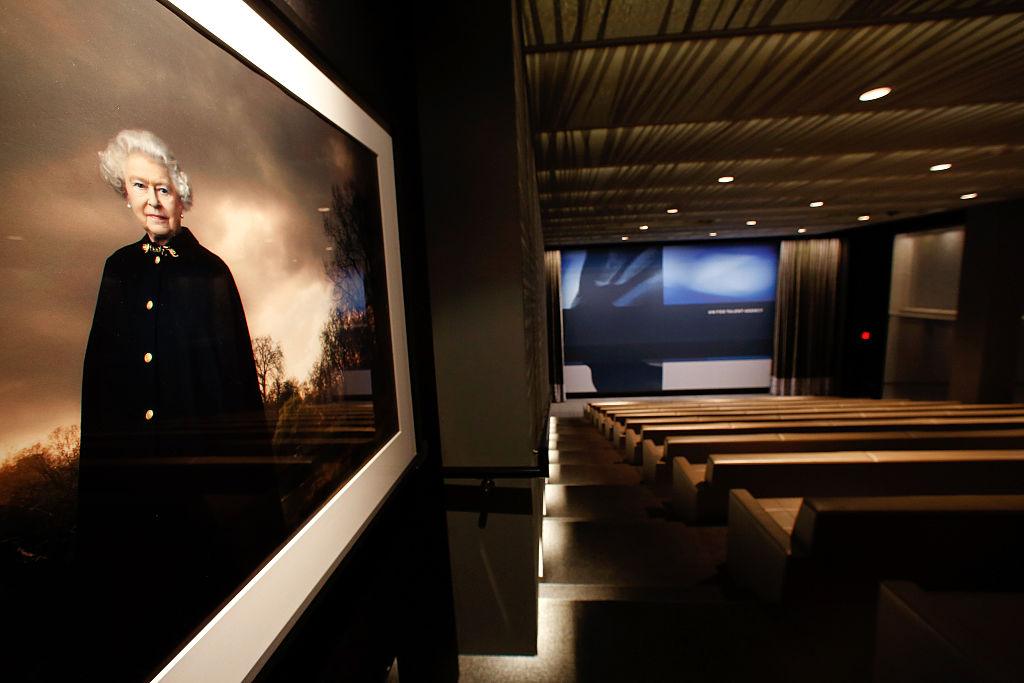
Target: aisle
606,533
629,594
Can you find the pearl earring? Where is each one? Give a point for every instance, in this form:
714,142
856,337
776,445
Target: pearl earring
128,205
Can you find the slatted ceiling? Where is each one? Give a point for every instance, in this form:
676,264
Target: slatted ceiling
638,106
819,167
981,125
771,218
787,197
777,75
843,211
554,23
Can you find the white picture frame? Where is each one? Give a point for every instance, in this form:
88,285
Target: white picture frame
237,641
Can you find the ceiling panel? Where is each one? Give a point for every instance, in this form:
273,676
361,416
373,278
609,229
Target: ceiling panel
641,106
928,64
881,130
554,24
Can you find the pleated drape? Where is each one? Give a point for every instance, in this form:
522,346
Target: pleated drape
556,357
804,357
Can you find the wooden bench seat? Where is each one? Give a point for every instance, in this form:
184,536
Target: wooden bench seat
947,636
839,548
604,418
661,442
613,423
632,442
697,449
622,417
596,408
665,408
700,493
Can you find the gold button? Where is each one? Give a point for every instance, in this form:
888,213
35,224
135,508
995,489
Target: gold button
148,357
156,259
149,414
149,305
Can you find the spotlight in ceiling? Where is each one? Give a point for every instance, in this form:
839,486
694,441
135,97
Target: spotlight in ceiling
969,195
865,217
625,238
815,205
644,227
324,209
875,94
671,210
712,234
751,222
801,230
726,179
940,167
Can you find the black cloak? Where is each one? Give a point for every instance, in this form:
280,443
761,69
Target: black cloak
177,496
169,369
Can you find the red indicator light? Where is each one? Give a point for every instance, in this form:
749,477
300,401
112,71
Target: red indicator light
865,336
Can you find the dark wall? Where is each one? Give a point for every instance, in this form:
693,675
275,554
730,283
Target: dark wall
863,306
391,596
986,337
485,255
483,236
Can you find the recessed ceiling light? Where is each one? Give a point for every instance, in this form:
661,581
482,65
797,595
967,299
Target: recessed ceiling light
712,234
751,222
324,209
625,237
801,230
815,205
875,94
726,179
865,217
644,227
969,195
940,167
671,210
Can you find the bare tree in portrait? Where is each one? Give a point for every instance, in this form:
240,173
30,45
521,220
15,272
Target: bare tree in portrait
269,364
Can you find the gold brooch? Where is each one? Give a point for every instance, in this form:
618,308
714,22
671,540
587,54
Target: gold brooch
158,249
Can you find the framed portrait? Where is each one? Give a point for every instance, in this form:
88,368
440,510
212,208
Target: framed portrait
205,381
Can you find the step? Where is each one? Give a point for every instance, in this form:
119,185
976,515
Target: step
585,456
632,553
595,474
598,501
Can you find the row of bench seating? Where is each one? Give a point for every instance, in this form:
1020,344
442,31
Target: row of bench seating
947,636
852,490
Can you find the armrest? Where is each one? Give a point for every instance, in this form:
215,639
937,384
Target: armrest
758,548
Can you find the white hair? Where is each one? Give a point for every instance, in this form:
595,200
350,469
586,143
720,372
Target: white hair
129,142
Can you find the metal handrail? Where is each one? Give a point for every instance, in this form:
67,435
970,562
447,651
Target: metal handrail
487,475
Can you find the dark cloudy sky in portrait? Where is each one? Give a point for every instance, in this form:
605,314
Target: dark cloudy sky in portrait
73,74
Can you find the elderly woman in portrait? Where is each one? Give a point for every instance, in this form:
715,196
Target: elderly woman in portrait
177,501
169,355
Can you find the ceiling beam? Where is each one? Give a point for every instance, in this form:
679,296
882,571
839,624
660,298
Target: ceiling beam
836,25
875,111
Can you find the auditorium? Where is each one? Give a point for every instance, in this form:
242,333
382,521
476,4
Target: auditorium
518,340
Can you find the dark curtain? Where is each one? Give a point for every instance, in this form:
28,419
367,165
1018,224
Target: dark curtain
803,362
556,357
